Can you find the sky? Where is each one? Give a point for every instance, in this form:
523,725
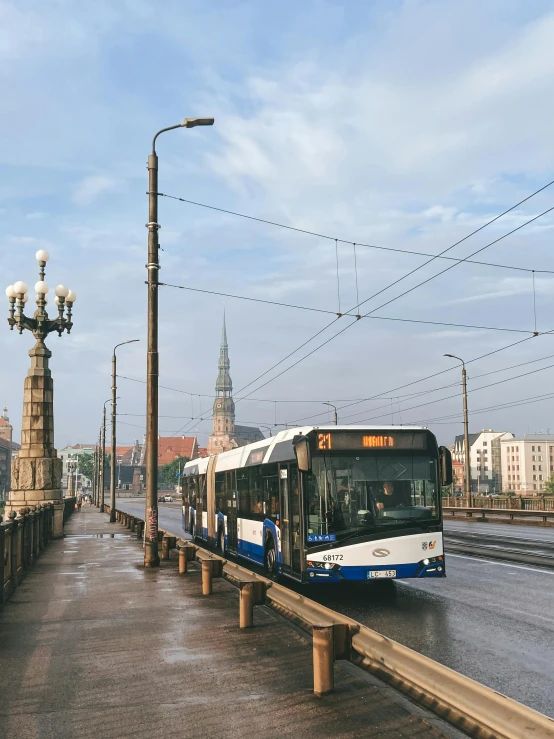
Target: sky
405,125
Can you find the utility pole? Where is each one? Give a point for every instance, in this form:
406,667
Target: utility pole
467,476
114,439
335,414
103,458
151,556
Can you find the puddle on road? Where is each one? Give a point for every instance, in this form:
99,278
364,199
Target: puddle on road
180,654
98,536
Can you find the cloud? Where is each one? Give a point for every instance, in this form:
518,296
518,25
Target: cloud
89,189
35,215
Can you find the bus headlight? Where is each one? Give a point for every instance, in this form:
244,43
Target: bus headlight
426,562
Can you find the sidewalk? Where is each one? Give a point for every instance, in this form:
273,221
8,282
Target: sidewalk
92,646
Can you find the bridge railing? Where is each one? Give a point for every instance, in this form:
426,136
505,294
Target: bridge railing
23,536
515,502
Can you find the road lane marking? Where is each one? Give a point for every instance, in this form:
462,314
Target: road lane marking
500,564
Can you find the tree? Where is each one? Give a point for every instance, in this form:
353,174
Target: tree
168,474
549,485
85,466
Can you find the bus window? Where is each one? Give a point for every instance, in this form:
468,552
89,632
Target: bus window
270,488
256,493
220,504
243,492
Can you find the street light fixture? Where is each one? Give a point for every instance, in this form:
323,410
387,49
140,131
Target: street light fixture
151,556
113,454
467,475
335,409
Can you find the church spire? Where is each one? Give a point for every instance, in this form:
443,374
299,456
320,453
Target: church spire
224,385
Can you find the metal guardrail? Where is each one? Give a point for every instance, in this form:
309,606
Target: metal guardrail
476,709
523,516
22,538
540,502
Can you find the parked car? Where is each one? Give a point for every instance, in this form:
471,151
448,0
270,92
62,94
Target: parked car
161,498
168,499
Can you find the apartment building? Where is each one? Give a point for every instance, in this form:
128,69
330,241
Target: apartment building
527,463
485,459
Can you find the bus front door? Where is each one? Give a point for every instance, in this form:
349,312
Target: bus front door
291,542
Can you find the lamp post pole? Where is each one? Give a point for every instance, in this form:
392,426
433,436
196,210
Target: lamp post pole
467,455
103,458
114,414
97,470
151,556
335,412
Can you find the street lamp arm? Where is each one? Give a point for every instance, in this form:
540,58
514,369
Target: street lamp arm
130,341
453,356
163,130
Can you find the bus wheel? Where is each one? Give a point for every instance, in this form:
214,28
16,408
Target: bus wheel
221,541
270,558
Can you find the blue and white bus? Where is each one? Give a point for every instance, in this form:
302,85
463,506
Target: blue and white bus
328,503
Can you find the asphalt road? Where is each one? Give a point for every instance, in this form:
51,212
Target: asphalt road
505,530
491,621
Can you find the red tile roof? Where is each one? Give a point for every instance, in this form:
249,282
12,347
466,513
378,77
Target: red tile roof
3,422
172,447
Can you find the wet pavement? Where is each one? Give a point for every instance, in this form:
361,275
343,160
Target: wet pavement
93,645
491,621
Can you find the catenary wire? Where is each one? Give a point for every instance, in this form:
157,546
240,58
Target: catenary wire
371,246
331,312
404,277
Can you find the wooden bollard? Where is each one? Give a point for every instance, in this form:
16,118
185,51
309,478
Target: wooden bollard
130,522
246,607
165,547
323,657
133,524
140,529
183,560
160,535
172,541
207,576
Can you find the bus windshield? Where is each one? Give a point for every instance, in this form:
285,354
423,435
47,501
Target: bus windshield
348,493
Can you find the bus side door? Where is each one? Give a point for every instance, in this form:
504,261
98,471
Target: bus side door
231,496
289,499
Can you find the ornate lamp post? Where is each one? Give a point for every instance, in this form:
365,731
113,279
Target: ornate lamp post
37,471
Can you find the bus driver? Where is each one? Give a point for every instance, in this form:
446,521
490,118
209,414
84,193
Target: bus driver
389,498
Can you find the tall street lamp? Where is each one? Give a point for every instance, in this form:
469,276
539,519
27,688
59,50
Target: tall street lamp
37,470
103,457
467,476
151,557
113,454
335,409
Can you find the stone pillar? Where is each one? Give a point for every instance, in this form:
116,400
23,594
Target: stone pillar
37,471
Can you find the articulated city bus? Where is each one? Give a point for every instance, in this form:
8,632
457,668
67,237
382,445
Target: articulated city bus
329,503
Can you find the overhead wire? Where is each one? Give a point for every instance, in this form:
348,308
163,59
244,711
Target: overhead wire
359,243
331,312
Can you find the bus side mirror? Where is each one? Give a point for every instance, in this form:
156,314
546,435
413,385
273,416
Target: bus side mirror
445,459
303,453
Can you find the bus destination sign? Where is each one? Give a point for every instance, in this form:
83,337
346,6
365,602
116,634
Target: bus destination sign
353,440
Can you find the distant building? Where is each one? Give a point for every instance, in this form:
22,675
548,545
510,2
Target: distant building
171,448
72,453
484,458
225,434
527,463
6,453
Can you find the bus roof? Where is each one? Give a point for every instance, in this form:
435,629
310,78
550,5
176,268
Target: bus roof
276,448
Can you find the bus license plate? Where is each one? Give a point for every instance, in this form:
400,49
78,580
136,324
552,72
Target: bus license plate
373,574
